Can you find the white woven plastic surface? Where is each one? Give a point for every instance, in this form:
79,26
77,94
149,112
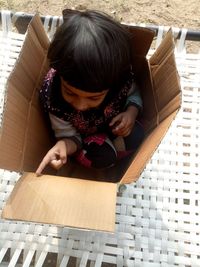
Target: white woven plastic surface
157,218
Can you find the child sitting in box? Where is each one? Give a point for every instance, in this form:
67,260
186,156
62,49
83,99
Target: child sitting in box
89,93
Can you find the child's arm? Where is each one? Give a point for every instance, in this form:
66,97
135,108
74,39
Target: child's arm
68,143
134,97
64,129
123,123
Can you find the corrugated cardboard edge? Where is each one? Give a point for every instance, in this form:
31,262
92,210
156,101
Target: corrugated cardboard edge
164,119
35,23
136,167
63,201
165,78
17,139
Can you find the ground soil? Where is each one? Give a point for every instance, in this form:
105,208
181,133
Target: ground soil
177,13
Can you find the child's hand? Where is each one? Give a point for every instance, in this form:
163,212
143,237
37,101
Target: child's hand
57,155
123,123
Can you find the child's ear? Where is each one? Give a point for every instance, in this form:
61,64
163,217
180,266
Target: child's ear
67,13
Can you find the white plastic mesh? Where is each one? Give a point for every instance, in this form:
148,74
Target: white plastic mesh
9,49
157,218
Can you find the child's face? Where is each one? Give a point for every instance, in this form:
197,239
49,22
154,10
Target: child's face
79,99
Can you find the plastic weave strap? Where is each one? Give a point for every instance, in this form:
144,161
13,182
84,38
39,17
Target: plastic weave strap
6,21
56,21
181,42
10,46
53,26
159,35
46,23
157,218
175,31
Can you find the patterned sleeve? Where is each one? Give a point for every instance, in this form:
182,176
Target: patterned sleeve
64,129
134,97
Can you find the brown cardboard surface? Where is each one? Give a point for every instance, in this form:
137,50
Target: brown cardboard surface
25,136
23,128
141,40
165,78
146,150
64,201
150,110
158,114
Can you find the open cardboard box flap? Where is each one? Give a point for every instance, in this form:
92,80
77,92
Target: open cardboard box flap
25,138
57,200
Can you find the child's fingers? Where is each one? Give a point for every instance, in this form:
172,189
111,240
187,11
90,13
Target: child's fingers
56,164
121,126
57,159
118,131
63,155
42,165
46,160
116,119
125,131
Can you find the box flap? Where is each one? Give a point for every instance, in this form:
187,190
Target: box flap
149,112
166,82
23,126
141,40
63,201
167,100
146,150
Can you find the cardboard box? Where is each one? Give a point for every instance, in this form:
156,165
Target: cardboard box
25,137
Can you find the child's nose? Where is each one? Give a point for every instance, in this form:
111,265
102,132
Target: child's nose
82,105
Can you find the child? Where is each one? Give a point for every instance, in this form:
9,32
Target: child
89,93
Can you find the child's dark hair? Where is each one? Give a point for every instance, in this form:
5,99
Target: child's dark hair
91,51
